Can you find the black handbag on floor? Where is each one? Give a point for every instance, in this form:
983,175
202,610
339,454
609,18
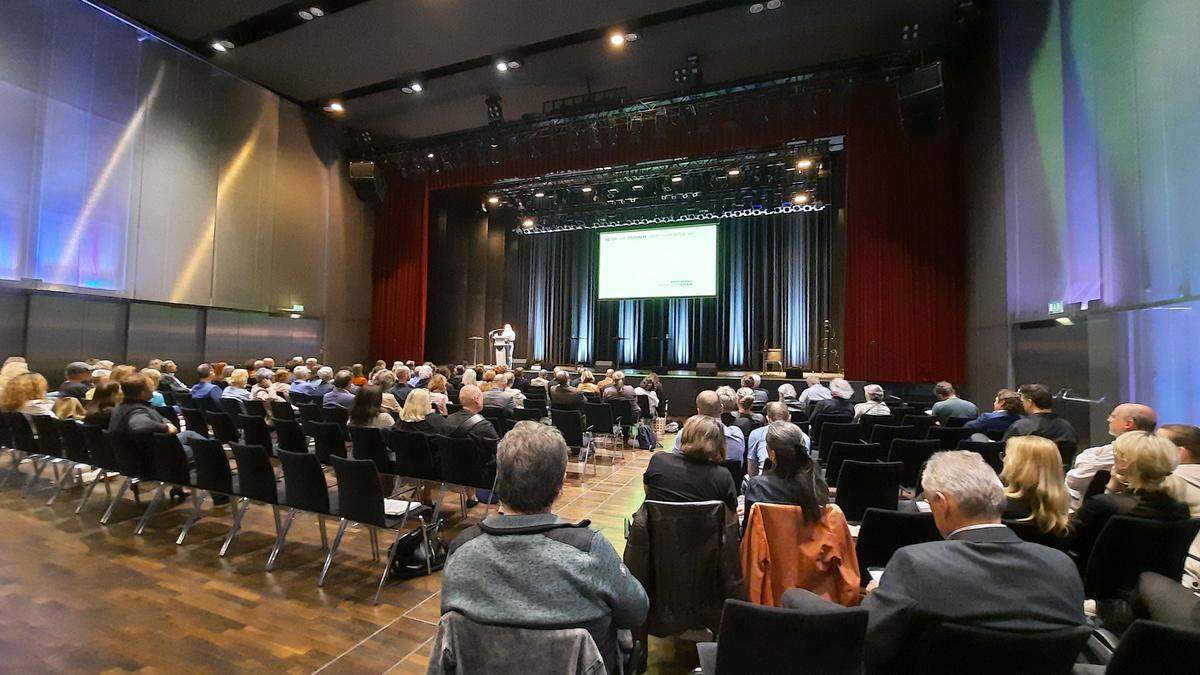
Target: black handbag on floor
411,555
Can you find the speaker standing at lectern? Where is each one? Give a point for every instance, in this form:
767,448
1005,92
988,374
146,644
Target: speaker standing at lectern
502,344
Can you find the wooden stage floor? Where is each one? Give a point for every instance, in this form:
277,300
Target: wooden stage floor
77,596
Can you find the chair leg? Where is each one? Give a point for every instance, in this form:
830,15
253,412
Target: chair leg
337,541
279,541
90,488
391,556
238,514
437,501
428,548
196,514
158,493
374,544
112,503
37,475
15,469
62,483
324,537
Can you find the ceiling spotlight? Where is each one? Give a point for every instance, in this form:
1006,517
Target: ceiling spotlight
804,164
335,106
539,195
429,156
617,39
774,4
586,189
527,223
514,64
800,198
676,179
305,15
502,66
756,8
631,37
221,46
413,87
494,200
735,172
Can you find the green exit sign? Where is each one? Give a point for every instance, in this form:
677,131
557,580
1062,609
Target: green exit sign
1056,307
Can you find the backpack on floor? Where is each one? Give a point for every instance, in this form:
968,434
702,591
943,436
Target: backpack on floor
646,439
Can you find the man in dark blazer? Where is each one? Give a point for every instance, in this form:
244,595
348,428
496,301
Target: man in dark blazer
982,575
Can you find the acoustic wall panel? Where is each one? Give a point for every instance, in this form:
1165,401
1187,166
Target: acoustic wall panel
12,324
299,241
65,328
234,336
166,332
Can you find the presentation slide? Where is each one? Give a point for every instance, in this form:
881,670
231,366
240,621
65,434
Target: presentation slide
663,262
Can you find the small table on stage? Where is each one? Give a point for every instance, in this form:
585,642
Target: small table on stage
475,340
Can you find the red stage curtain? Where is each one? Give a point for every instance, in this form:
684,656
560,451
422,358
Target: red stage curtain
904,287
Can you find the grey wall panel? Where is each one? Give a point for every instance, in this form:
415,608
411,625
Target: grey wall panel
301,216
12,324
65,328
221,335
234,336
166,332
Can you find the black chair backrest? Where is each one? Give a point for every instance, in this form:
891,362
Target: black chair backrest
863,485
49,441
132,454
256,407
328,439
168,413
884,434
22,432
452,408
643,402
255,431
912,454
223,427
74,444
99,447
498,417
884,532
195,420
945,649
360,497
232,407
212,466
304,484
299,397
532,414
736,470
624,411
991,452
414,455
256,476
1128,546
6,440
759,639
368,443
570,424
955,422
599,417
839,452
310,412
282,410
1098,484
1156,647
923,423
818,420
170,460
869,422
336,414
186,401
949,437
1028,530
290,436
1067,450
837,432
465,461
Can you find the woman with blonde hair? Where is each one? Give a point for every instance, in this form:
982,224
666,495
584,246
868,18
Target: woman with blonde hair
69,408
418,414
489,380
26,393
1142,462
694,474
468,377
13,366
156,397
1034,484
587,383
437,392
237,385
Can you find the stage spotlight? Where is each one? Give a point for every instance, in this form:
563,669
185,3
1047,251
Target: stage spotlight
221,46
494,200
539,195
676,179
804,164
799,198
528,223
335,106
734,172
585,189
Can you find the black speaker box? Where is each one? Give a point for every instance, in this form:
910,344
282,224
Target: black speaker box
367,182
706,369
795,373
604,365
922,99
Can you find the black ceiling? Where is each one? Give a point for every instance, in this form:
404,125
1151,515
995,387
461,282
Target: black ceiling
379,43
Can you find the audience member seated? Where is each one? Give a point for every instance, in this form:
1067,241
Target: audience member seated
13,366
264,389
69,408
170,380
385,380
418,414
281,383
365,411
618,388
542,380
815,391
693,473
649,387
840,403
1125,417
136,416
402,388
982,575
874,404
1142,463
745,419
156,397
563,396
587,383
340,396
1006,409
206,394
78,382
1039,419
468,423
950,405
439,393
727,397
709,405
468,377
499,396
794,478
301,383
237,386
421,376
1184,483
756,442
607,381
753,382
358,377
26,394
787,396
323,384
99,410
579,581
1033,479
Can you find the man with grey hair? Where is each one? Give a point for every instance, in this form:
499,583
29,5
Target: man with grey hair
815,391
756,453
300,381
402,388
577,579
322,385
981,575
709,404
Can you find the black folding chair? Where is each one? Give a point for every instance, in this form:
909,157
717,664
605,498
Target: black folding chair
956,422
75,452
168,413
1067,450
498,417
1156,647
132,455
232,407
328,440
100,457
360,500
194,421
837,432
304,490
869,422
884,435
290,436
256,483
170,463
946,647
255,407
529,414
863,485
883,532
213,476
912,454
570,424
282,410
223,428
467,463
337,415
1128,546
24,443
923,423
992,453
839,452
310,412
368,443
948,437
255,431
50,448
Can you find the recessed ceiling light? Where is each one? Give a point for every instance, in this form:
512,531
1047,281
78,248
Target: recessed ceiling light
493,200
412,88
335,107
804,164
429,156
631,37
502,66
221,45
774,4
617,39
527,223
586,188
676,179
514,64
305,15
734,172
539,195
317,12
756,8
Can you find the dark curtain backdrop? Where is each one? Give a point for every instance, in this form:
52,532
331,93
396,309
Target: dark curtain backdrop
903,316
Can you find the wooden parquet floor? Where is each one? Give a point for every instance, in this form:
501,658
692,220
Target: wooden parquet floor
76,596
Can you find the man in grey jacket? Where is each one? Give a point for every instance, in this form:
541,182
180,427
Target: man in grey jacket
527,568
